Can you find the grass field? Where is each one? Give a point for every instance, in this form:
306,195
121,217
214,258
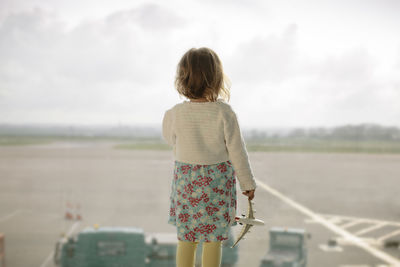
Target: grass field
275,145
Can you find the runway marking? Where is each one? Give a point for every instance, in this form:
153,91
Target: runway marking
12,214
376,224
50,256
394,233
349,224
47,260
335,220
326,247
371,241
364,219
334,228
362,265
371,228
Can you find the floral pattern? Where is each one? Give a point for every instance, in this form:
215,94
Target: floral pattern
203,201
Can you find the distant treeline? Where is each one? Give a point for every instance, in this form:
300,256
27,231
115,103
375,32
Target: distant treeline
359,132
366,132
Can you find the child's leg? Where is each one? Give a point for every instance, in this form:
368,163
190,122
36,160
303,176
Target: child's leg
211,254
186,253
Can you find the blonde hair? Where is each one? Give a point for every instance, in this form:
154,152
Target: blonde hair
199,74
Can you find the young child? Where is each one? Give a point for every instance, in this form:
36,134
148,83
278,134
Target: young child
209,152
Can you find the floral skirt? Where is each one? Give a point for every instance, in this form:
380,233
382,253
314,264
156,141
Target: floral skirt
203,201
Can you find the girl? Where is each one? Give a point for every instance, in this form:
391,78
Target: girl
209,152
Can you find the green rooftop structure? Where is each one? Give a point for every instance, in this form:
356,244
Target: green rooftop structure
128,247
287,248
105,247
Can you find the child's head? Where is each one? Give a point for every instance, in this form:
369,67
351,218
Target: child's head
200,75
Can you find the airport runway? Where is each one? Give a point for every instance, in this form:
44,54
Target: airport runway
341,196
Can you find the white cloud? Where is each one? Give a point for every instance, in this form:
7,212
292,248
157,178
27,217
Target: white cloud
270,58
89,67
117,62
307,92
150,17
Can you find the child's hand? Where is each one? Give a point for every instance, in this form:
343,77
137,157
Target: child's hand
249,193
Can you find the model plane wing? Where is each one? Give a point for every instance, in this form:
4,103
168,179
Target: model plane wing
246,227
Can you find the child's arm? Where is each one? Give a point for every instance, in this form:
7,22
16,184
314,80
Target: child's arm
167,128
237,152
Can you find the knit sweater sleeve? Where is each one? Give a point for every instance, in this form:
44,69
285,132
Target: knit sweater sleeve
167,128
237,152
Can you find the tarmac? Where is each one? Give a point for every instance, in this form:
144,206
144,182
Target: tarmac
350,198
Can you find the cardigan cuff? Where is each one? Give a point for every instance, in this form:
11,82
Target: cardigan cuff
248,186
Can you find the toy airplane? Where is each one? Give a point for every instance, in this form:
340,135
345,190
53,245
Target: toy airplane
248,222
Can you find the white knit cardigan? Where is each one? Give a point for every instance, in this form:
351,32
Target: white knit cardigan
208,133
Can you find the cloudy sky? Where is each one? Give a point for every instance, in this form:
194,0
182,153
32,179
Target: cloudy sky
291,63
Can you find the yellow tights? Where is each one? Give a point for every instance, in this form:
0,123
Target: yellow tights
186,254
